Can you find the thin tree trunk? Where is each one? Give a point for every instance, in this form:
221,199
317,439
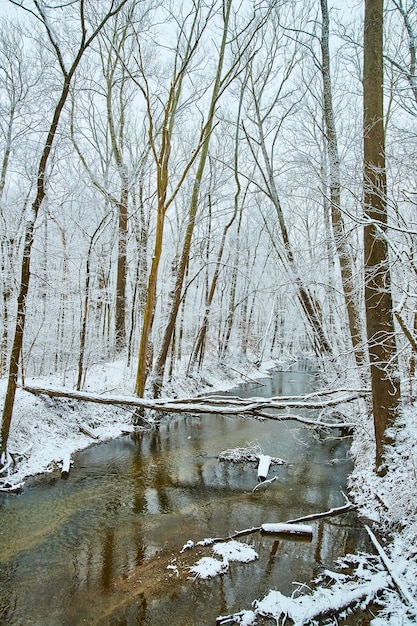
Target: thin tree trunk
321,344
378,299
84,316
25,273
339,230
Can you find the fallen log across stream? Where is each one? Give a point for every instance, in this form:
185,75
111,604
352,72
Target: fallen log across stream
226,405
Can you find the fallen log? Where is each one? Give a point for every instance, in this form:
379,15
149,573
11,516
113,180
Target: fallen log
220,405
307,609
399,584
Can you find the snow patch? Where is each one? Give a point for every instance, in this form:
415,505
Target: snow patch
208,567
235,551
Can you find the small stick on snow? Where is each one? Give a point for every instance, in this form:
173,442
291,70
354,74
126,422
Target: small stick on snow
87,431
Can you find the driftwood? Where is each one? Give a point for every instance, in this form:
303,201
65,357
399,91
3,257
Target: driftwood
225,405
248,531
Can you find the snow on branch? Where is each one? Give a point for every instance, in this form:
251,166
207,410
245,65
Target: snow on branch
225,405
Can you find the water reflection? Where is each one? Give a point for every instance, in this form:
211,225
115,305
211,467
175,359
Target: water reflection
94,549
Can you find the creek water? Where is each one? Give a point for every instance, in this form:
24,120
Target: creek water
103,547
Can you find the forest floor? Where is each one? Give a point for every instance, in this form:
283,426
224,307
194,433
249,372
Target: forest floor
44,431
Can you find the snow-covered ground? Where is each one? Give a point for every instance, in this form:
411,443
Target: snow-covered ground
43,431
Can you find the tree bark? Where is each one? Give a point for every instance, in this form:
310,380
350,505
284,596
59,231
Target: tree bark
378,298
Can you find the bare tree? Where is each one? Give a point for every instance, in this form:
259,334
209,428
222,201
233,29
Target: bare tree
17,80
269,109
406,63
104,143
223,79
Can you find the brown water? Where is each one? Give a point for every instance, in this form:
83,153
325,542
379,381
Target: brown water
94,549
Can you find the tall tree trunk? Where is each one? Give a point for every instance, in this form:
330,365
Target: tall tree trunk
121,275
339,230
378,298
161,158
117,131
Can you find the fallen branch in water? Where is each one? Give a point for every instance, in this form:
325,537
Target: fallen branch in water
248,531
264,484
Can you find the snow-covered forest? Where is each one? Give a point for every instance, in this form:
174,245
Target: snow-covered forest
189,179
191,189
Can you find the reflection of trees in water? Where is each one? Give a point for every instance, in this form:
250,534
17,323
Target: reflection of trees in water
171,492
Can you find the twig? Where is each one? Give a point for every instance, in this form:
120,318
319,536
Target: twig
252,380
264,483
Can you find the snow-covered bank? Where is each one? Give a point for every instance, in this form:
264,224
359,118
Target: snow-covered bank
44,430
390,502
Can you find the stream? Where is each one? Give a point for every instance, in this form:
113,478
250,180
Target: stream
103,547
